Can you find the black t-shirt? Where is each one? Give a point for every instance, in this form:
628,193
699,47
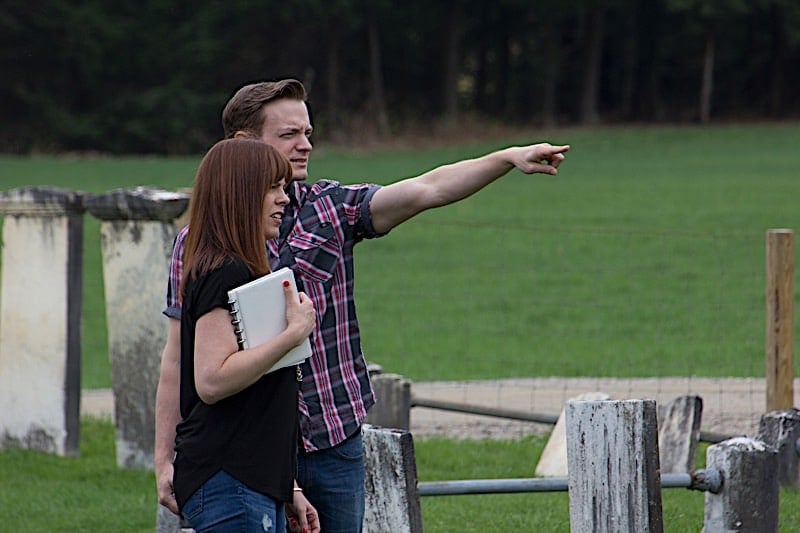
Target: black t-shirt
251,435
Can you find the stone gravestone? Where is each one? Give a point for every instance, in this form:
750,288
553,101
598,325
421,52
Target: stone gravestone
553,461
40,345
679,434
137,231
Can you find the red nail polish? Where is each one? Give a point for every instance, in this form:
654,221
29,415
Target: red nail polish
285,283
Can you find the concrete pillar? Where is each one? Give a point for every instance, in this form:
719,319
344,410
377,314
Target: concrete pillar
612,454
40,344
137,231
748,501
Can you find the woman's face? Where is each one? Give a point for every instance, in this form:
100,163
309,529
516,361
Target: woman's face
274,201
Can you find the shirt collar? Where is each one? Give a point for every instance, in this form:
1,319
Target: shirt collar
296,193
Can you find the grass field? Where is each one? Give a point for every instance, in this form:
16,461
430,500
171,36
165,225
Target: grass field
89,494
644,257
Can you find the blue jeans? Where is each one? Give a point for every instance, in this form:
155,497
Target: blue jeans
333,481
223,504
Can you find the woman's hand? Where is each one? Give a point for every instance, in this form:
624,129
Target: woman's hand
300,314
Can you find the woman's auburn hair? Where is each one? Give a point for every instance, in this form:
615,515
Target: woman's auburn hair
227,205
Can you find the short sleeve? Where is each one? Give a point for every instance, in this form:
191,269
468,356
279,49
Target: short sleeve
211,290
173,305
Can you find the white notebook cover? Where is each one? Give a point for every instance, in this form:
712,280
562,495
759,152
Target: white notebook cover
259,314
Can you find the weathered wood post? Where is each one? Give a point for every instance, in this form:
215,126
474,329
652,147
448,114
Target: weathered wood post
781,431
137,230
40,312
392,493
392,408
748,501
612,454
780,319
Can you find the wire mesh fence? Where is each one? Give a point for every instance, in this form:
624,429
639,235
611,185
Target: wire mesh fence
533,316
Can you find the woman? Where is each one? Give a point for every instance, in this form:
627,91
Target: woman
237,440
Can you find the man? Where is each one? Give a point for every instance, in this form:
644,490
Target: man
320,227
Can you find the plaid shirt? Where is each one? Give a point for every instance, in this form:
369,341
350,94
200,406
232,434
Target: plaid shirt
320,226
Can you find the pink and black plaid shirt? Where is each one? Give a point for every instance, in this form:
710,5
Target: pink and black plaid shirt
321,225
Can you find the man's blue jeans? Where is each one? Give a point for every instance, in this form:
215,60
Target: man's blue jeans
333,481
223,504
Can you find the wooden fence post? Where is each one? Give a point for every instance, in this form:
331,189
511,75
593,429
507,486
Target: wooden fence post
780,319
781,431
748,501
40,317
612,453
392,493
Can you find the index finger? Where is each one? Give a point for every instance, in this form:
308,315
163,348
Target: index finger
555,155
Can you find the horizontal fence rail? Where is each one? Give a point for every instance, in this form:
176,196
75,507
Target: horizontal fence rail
702,480
541,418
486,411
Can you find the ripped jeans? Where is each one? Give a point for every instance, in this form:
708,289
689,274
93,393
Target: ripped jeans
225,504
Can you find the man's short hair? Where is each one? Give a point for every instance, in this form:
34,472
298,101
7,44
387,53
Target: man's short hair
243,110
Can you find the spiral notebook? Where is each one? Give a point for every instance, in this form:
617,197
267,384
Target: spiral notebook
259,314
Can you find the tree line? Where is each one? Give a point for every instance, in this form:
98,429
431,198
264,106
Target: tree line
151,76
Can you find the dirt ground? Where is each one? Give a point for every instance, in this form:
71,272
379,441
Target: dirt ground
731,406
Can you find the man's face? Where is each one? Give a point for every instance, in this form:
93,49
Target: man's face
287,127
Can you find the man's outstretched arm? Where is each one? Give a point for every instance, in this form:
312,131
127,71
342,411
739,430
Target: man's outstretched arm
396,203
167,415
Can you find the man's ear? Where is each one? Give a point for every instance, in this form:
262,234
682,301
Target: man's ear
241,134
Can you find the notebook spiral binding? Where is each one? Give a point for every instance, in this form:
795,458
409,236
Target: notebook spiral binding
234,311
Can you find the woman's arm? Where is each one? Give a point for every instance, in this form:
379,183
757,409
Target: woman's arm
221,369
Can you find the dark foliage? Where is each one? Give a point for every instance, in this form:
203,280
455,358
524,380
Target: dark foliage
152,76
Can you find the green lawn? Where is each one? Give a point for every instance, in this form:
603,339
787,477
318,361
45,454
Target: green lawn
90,494
644,257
